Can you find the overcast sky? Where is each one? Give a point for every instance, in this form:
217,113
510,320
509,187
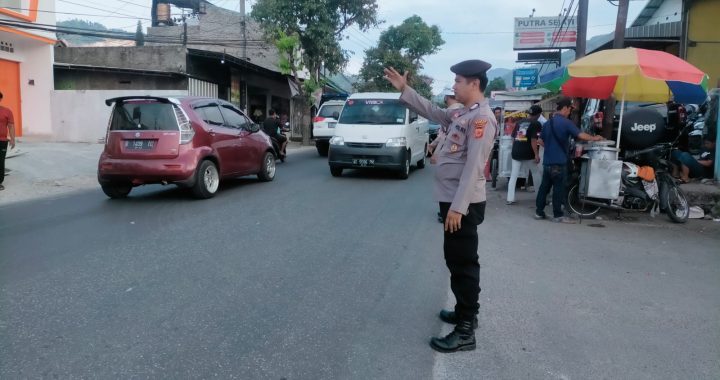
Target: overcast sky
472,29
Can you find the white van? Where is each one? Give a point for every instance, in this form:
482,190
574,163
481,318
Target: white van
376,130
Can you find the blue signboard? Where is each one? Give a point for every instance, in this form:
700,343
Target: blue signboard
524,77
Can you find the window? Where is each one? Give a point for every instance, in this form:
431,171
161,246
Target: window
149,116
210,113
328,111
373,111
234,118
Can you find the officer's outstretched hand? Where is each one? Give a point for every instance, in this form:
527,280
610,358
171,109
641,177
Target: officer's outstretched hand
398,81
453,221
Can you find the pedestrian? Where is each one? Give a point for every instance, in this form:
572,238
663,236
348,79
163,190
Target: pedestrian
459,187
525,151
497,111
7,128
554,137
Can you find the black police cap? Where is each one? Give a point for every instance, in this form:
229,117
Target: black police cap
471,68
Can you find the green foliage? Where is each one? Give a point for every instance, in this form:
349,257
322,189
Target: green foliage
139,36
289,64
497,84
318,24
403,48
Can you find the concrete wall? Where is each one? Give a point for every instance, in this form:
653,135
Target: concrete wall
73,79
704,38
36,84
157,58
82,116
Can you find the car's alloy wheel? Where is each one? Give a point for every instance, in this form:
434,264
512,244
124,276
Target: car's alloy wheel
207,181
267,172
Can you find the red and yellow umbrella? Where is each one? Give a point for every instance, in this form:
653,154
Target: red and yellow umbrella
635,75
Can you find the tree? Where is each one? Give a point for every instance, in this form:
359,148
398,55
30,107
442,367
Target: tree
402,47
139,36
497,84
317,28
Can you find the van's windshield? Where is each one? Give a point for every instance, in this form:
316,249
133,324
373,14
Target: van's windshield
373,111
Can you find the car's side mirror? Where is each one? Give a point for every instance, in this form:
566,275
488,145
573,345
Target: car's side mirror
253,127
336,115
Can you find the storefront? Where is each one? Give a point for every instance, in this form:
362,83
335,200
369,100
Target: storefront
26,64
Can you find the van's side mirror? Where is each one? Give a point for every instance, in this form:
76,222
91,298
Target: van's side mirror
336,115
413,116
253,127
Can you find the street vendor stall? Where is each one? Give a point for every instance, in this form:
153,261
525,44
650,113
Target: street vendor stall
515,104
630,75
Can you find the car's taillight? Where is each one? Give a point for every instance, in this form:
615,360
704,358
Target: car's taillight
186,130
318,118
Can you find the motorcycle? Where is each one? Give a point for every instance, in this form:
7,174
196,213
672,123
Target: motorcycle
281,151
636,193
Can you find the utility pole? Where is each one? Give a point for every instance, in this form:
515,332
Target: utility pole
618,43
620,24
184,29
243,26
582,17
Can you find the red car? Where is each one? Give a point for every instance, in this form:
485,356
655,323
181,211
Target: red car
188,141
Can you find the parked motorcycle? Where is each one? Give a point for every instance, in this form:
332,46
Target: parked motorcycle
636,194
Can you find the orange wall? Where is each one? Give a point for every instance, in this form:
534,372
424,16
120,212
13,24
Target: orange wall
10,87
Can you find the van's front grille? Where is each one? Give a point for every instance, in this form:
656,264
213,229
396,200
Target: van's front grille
364,145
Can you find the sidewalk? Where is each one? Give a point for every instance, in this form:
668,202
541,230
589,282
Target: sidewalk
42,169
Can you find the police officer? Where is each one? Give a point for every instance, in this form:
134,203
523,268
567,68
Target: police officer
459,187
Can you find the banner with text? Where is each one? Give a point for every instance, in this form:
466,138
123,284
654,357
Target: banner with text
545,33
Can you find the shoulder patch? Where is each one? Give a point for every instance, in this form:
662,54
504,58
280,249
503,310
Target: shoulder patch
480,128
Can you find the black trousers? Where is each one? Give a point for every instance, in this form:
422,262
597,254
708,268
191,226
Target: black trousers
460,249
3,153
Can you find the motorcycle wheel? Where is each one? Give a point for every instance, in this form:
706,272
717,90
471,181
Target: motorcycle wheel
577,206
675,204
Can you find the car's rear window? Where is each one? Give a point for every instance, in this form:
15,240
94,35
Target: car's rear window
373,111
148,116
328,110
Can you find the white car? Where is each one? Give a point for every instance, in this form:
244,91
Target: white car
376,130
324,124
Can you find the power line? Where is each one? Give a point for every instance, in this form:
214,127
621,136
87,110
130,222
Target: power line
76,14
98,9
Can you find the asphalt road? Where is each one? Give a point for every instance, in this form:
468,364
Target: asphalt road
315,277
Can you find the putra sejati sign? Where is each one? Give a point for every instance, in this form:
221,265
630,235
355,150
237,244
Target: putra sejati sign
545,33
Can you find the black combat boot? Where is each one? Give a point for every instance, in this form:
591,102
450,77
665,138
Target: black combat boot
450,317
462,338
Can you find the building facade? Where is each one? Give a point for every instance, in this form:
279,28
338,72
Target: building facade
26,64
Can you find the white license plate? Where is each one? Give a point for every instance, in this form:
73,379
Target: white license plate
363,161
331,124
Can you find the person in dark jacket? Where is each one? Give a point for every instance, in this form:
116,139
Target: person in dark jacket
272,128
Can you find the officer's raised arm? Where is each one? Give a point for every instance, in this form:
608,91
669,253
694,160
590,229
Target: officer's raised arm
414,101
